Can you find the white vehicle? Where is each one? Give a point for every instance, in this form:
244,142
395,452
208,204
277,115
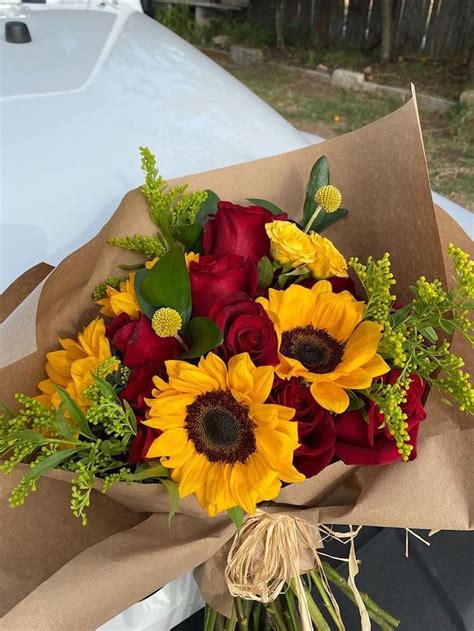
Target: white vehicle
86,83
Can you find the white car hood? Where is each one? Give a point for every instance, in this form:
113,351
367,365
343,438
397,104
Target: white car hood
76,103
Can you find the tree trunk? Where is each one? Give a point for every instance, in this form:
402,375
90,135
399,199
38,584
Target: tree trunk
279,24
387,28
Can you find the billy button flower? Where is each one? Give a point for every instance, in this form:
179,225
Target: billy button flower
324,340
329,199
219,437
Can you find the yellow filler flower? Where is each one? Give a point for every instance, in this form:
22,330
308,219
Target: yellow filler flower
72,367
221,440
290,245
324,340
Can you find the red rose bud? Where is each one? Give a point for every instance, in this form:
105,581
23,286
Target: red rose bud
141,443
360,442
239,230
246,329
216,278
316,431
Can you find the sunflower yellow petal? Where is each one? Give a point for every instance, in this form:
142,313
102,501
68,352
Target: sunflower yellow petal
330,396
215,368
361,346
376,366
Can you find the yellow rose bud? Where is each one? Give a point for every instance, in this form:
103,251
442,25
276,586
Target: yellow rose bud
328,260
329,198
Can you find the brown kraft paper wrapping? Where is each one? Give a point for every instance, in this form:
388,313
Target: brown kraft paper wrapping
56,574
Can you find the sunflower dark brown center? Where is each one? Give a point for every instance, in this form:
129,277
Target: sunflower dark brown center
220,428
318,351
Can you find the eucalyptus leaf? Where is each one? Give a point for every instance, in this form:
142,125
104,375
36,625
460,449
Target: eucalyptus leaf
75,412
167,283
265,272
173,494
190,237
49,463
324,219
205,335
319,176
273,208
237,515
145,306
208,207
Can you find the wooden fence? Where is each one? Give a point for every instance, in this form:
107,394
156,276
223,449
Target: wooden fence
435,28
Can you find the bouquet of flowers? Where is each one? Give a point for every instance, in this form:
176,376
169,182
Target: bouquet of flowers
238,354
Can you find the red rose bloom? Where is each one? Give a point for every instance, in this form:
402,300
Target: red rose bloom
143,352
141,443
246,329
215,278
238,230
362,443
139,343
316,431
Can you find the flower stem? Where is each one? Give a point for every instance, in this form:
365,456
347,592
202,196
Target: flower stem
179,339
314,611
276,616
327,601
291,609
381,617
241,614
231,622
313,218
210,619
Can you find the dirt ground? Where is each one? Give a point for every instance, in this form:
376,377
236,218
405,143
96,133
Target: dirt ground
327,111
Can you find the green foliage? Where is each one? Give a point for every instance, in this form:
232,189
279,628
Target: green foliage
167,283
100,290
318,177
266,272
179,19
205,336
413,336
90,443
150,246
273,208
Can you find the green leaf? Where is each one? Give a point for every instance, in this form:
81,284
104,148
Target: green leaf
265,272
173,494
265,204
64,427
190,237
319,176
29,435
130,415
237,515
49,463
429,333
355,403
106,389
205,335
6,412
447,326
154,470
324,219
167,284
145,306
398,316
75,412
208,207
133,266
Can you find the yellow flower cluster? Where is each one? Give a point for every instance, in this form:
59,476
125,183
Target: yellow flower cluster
292,246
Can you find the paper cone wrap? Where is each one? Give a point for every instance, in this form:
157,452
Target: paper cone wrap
54,573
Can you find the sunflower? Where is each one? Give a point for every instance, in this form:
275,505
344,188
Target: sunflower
72,367
122,300
222,442
324,340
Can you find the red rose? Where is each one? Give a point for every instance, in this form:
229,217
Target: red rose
142,443
362,443
239,230
140,385
215,278
139,343
316,431
246,329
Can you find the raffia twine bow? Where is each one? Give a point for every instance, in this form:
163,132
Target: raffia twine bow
267,553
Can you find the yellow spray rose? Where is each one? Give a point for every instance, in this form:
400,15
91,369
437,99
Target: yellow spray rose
292,246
